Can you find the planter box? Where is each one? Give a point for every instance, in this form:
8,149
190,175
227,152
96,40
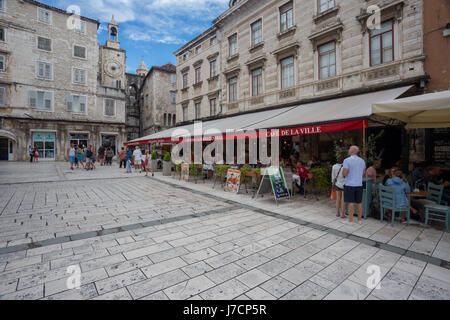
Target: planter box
154,165
167,168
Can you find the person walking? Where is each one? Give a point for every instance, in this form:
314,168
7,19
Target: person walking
31,153
36,155
71,155
79,157
101,155
123,158
146,164
109,155
137,158
353,171
337,183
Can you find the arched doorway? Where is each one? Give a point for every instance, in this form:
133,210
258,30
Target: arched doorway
7,145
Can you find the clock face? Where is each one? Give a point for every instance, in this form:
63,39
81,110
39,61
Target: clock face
113,68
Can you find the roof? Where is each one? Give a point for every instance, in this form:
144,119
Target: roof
197,39
168,67
46,6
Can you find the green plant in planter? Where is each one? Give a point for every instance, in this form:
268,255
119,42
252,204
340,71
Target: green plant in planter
321,180
178,165
167,157
154,155
221,170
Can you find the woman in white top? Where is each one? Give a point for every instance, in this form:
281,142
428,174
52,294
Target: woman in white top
337,182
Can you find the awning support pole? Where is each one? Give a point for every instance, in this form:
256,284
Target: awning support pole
364,138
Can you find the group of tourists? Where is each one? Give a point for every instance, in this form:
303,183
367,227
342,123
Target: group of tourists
33,153
81,155
138,158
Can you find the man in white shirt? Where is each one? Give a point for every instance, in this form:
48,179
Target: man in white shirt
137,158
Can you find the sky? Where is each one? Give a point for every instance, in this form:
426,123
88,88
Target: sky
149,29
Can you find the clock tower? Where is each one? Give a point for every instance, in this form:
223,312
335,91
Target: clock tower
113,59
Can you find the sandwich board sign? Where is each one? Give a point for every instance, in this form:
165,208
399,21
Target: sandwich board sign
273,181
233,180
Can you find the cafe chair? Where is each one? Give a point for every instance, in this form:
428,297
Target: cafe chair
436,192
436,212
387,202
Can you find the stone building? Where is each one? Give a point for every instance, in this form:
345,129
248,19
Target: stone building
281,53
133,104
158,99
57,85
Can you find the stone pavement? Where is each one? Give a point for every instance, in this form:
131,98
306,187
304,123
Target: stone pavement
159,238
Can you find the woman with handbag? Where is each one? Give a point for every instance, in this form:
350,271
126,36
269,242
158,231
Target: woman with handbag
337,182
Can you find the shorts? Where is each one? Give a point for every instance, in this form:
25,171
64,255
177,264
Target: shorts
137,162
353,194
89,160
337,188
71,158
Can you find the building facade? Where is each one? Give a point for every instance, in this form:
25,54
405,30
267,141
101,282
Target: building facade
279,53
133,104
158,99
57,85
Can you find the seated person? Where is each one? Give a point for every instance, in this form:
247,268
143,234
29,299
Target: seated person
433,175
389,174
371,171
401,189
417,174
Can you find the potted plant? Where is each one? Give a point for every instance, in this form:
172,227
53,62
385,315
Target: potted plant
154,162
167,164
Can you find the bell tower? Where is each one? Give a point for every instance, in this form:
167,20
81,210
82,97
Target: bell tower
113,34
113,59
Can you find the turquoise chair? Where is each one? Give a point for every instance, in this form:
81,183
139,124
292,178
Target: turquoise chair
387,201
436,192
439,213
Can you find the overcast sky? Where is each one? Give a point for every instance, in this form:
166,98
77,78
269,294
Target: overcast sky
150,29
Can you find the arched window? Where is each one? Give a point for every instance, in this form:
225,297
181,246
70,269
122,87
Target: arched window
165,119
170,120
113,34
173,119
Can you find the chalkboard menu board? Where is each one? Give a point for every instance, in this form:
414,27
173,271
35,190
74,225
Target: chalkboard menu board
440,139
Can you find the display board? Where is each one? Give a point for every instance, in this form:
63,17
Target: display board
233,180
185,172
441,146
273,180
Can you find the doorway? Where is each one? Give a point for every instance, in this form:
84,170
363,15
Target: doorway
4,153
79,139
45,143
109,141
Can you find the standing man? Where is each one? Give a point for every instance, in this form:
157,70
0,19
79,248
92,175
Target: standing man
71,155
137,155
122,158
353,171
31,153
101,154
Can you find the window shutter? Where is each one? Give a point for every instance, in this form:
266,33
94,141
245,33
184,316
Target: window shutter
82,104
69,103
83,76
2,96
32,99
48,100
2,62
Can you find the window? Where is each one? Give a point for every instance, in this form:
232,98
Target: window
44,70
185,80
2,5
198,74
79,76
232,84
324,5
44,44
76,104
185,113
286,17
2,62
80,26
2,34
212,41
42,100
256,81
173,97
110,107
79,52
2,96
381,44
212,107
256,32
232,43
44,16
118,84
165,119
185,56
173,78
327,60
169,119
198,110
173,119
212,68
198,49
287,72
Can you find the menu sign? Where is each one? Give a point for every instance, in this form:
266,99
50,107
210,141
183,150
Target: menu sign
441,146
278,182
233,180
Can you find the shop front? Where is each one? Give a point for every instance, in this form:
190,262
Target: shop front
45,143
7,145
